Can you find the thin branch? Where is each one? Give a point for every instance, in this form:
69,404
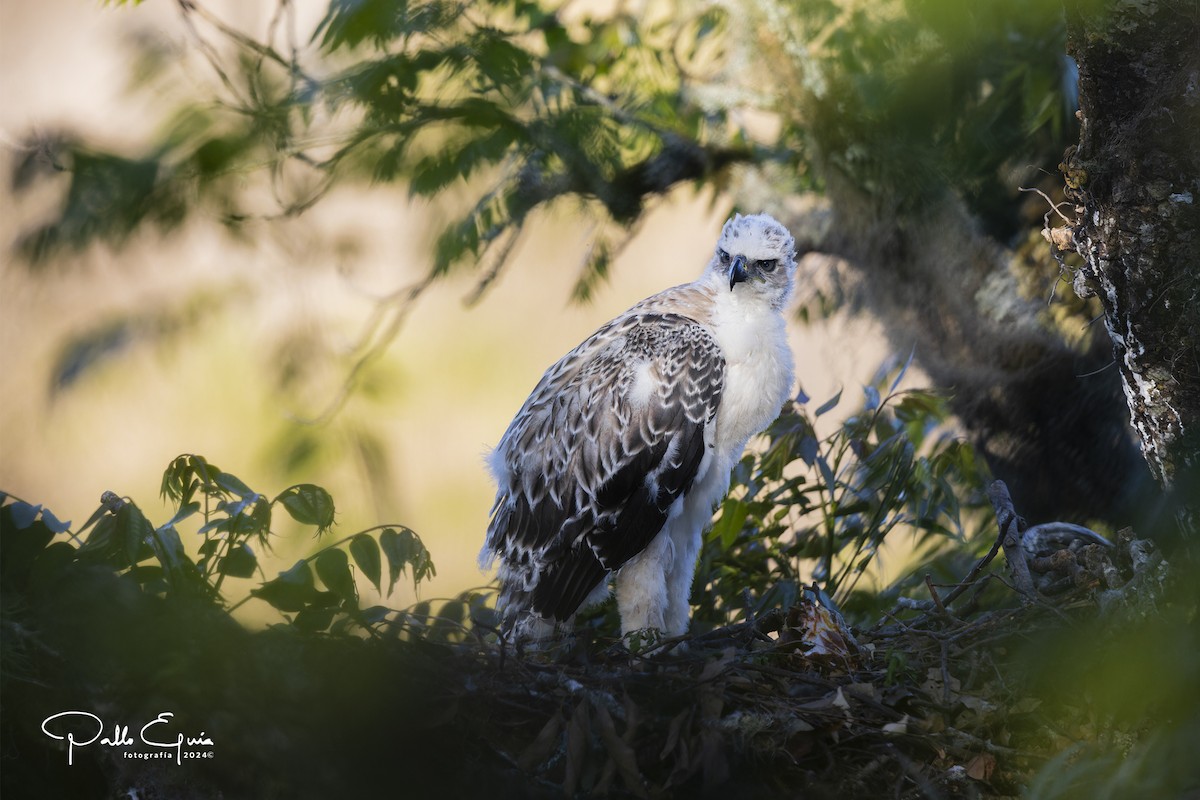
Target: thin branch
500,259
267,52
1053,206
187,8
937,601
373,344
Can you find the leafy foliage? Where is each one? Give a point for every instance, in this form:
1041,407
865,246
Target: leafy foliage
113,607
810,510
523,102
319,592
801,510
910,99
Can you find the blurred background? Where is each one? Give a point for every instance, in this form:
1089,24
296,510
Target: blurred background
237,344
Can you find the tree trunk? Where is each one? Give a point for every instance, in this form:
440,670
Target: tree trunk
1047,417
1135,182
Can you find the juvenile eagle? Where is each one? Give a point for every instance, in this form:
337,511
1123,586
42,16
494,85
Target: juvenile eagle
615,463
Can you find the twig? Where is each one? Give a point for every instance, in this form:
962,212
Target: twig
969,581
188,7
937,601
372,345
1053,205
500,259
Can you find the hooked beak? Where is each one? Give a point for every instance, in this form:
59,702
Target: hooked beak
737,271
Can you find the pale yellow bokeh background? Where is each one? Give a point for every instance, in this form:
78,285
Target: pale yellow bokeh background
445,390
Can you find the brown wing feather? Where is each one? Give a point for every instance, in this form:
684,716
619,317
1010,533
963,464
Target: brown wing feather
596,458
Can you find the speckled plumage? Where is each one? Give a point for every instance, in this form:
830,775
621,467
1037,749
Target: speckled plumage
616,461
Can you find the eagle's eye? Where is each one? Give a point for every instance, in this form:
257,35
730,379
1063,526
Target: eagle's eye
768,264
723,256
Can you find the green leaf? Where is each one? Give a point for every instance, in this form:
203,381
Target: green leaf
459,160
419,613
256,523
20,545
374,615
505,63
808,450
174,478
903,370
827,475
314,620
404,549
326,600
168,547
733,517
23,514
94,518
333,568
133,532
151,578
309,505
871,398
47,568
108,198
853,507
233,484
349,23
447,625
180,572
183,513
99,541
240,562
293,590
53,522
366,554
829,404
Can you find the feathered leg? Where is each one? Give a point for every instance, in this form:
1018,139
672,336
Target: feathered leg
642,586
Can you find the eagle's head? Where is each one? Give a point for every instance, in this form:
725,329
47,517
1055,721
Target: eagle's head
756,254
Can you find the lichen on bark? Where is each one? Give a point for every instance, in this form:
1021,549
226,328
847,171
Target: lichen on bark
1135,181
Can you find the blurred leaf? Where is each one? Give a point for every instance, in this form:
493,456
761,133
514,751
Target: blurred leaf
233,484
99,542
333,568
293,590
802,508
374,615
107,198
22,514
403,550
309,505
314,620
184,476
829,404
729,524
240,562
132,532
350,23
366,554
22,540
903,370
434,173
447,625
53,522
46,568
168,547
872,398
